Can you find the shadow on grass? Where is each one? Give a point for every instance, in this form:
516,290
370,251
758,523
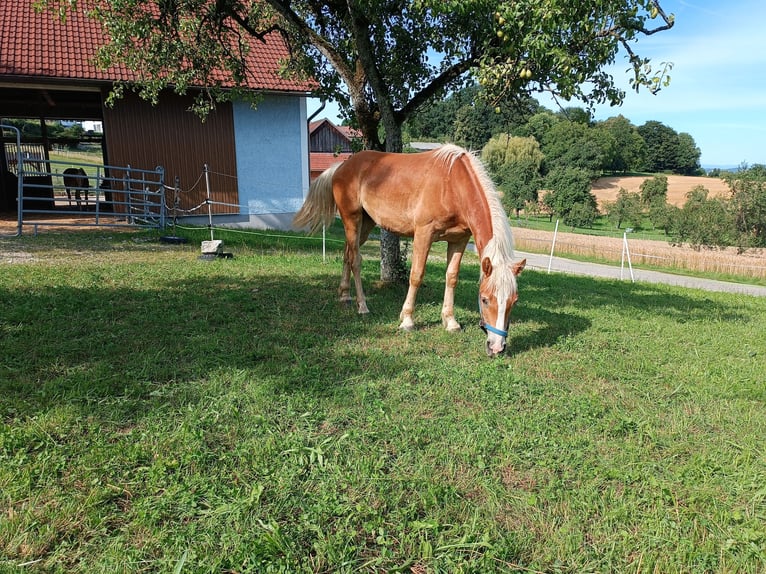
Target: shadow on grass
87,345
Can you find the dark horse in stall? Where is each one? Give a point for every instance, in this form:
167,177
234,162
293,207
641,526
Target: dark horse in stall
443,195
76,179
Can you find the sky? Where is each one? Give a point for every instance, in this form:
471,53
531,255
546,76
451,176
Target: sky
717,92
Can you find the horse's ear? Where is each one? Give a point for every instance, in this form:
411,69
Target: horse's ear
519,267
486,266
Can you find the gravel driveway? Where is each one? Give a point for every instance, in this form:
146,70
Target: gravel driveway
560,265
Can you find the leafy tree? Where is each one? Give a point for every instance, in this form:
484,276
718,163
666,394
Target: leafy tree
467,118
581,215
748,201
538,125
371,56
515,164
435,121
568,187
664,216
577,115
654,190
661,146
704,221
575,145
477,122
627,208
628,153
687,160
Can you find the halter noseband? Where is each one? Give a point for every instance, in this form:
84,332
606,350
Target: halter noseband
487,327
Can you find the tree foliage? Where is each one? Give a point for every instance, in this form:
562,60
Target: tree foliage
704,221
654,190
569,187
749,205
515,164
667,150
576,145
373,56
627,208
629,149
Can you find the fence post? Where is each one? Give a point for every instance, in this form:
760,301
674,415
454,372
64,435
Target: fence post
161,171
553,245
209,204
626,250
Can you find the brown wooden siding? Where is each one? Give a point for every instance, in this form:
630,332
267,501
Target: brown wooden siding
168,135
328,140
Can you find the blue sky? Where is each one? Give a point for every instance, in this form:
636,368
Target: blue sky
718,81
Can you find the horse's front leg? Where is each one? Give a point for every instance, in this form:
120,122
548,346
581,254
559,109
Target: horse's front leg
454,257
421,244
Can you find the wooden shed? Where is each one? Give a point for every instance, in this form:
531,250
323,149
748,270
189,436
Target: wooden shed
331,144
257,159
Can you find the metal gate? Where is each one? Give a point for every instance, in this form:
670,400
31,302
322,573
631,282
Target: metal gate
63,193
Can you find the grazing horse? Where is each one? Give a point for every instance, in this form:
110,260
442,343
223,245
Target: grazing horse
76,179
441,195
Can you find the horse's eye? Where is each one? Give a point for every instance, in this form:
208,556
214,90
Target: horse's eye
484,301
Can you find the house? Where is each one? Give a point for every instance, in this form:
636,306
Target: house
330,144
257,159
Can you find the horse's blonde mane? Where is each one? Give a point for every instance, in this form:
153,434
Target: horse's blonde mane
499,249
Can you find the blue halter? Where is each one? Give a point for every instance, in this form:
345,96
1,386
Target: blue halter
487,327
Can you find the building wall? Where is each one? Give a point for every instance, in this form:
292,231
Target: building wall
257,158
327,139
272,159
168,135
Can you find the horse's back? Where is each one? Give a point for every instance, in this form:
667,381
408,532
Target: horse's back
398,191
76,177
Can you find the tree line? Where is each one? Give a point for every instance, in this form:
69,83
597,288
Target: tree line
545,162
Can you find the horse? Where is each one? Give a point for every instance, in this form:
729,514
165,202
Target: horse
440,195
76,179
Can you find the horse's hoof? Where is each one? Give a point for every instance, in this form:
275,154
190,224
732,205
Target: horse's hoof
453,327
407,325
363,310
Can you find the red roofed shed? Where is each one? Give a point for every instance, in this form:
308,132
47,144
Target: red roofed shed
47,71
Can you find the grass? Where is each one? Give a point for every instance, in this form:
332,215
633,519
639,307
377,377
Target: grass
163,414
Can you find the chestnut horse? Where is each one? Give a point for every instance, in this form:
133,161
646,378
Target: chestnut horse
441,195
76,179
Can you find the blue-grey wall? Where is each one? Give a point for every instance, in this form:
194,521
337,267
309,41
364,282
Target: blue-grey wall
272,157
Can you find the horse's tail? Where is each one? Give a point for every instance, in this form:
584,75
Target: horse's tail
319,207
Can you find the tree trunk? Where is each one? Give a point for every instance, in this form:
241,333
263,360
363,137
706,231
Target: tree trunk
392,266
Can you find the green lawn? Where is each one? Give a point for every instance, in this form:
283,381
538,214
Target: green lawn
159,413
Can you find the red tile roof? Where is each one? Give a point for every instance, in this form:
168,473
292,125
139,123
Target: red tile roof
39,46
320,161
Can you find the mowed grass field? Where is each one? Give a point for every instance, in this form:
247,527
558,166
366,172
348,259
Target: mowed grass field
159,413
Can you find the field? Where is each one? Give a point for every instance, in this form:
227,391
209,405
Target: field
606,188
159,413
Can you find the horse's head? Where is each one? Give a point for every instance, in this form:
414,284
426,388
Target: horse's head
497,295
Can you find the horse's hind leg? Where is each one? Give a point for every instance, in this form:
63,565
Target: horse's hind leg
352,262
